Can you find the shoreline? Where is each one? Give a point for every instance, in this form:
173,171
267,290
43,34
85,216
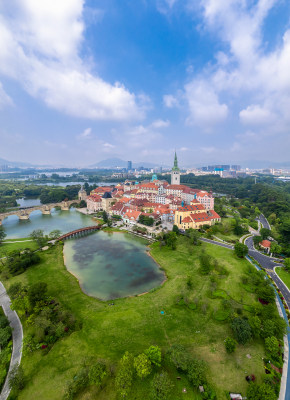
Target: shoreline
147,251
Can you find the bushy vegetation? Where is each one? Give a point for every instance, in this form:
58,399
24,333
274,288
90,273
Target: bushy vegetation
45,319
17,261
5,346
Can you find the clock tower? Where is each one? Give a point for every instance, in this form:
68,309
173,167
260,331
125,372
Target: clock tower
175,172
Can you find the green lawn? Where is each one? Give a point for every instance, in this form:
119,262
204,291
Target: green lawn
4,247
284,275
135,323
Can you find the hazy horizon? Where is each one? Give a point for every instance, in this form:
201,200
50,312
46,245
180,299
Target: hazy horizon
83,81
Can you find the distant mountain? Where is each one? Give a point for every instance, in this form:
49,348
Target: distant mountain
118,163
18,164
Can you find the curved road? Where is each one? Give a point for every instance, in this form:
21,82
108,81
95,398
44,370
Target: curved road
17,337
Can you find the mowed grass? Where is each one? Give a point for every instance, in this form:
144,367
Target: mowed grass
135,323
284,275
15,245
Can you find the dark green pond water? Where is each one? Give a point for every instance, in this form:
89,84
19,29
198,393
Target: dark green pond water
112,265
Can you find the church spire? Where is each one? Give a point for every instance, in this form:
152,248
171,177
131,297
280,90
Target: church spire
175,167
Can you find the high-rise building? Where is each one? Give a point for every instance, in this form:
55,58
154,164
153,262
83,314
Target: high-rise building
175,173
236,167
129,165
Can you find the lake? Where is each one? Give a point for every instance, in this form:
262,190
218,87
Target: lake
112,265
65,221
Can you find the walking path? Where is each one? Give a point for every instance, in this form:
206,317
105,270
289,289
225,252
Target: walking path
17,337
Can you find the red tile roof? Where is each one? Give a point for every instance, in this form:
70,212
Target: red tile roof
96,198
132,214
265,243
192,207
213,214
186,220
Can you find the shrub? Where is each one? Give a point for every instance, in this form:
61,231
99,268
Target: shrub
161,386
242,330
230,345
154,355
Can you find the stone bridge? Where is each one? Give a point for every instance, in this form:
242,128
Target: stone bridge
24,212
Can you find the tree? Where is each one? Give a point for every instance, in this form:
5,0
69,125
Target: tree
175,229
179,357
257,240
54,234
205,263
260,392
196,372
238,230
154,355
124,376
255,324
171,240
264,232
230,345
161,386
266,293
16,378
105,216
275,248
287,264
242,330
272,346
2,234
241,250
5,335
38,236
193,236
142,365
37,292
97,373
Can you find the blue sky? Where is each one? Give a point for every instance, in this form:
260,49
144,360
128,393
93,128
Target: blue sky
81,81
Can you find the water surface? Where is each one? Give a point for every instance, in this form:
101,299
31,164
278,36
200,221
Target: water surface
112,265
65,221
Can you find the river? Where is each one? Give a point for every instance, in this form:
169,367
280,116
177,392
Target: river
65,221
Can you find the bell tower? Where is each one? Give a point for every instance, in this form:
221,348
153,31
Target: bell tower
175,172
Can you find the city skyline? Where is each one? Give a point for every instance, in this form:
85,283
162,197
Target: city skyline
82,81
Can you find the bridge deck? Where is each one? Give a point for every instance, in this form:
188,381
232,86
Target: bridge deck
77,231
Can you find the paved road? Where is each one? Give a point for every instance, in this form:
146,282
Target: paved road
264,222
17,337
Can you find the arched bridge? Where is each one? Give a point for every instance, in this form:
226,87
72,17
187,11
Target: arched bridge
80,232
24,212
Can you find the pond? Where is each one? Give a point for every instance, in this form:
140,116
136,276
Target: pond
112,265
65,221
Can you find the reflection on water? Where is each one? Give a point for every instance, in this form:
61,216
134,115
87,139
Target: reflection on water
109,266
65,221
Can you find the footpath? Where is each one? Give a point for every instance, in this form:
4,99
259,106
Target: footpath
17,337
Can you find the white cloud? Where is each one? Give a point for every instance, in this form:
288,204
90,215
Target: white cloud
5,100
86,134
109,146
160,123
256,115
40,48
205,109
170,101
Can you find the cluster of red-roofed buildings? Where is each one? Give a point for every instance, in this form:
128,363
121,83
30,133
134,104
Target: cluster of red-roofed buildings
157,199
164,202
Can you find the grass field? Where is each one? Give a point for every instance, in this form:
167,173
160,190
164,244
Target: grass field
15,245
135,323
284,275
